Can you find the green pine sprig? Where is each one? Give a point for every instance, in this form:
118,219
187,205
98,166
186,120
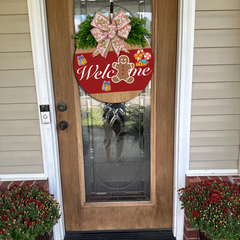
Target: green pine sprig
136,36
137,33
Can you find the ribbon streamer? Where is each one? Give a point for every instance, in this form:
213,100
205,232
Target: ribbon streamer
108,35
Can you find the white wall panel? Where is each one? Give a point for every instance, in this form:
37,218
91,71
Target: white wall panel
215,138
215,122
17,78
13,43
214,165
215,56
21,169
215,106
18,95
20,143
20,158
217,153
217,38
13,7
18,111
16,60
20,140
217,20
19,127
216,90
217,4
216,73
14,24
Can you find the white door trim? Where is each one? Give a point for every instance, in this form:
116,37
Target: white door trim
45,95
186,23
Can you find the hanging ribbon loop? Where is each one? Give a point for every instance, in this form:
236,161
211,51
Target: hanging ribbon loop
107,34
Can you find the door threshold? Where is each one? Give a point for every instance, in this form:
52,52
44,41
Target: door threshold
148,234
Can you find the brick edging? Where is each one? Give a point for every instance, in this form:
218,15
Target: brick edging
6,185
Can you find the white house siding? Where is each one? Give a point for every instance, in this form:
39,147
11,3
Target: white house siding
20,143
215,125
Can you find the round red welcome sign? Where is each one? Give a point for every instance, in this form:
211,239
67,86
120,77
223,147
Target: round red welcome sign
114,78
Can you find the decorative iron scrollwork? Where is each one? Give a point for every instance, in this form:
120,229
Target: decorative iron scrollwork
115,116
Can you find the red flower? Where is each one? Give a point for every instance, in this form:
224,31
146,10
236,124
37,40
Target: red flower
41,206
215,195
195,213
29,224
12,210
213,199
230,199
44,216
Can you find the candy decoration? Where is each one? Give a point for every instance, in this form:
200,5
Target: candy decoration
144,61
140,51
138,56
147,56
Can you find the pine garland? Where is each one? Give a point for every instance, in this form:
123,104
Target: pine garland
135,37
84,36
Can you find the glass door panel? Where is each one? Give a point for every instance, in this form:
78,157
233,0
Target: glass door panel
116,137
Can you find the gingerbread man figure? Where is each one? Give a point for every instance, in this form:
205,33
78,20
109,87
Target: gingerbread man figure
123,66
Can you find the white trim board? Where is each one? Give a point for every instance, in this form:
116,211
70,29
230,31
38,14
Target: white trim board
22,177
45,95
213,172
186,22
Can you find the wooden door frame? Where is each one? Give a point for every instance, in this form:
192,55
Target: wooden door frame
107,215
42,66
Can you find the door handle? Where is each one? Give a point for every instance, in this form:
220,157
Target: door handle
62,106
63,125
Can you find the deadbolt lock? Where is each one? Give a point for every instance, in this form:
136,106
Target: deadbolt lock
63,125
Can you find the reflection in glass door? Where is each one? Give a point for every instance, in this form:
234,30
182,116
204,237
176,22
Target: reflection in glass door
116,137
